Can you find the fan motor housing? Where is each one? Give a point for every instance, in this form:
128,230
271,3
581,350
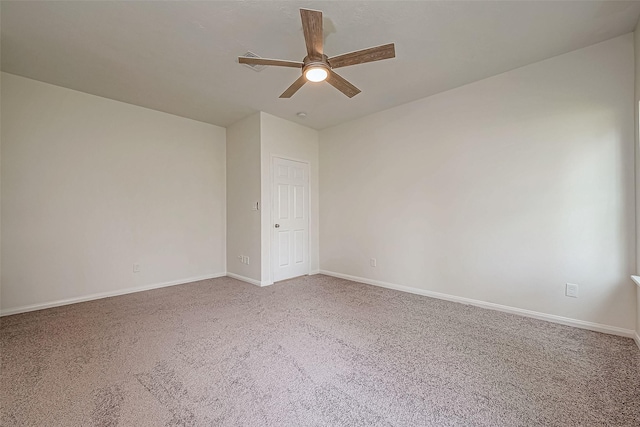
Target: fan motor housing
315,62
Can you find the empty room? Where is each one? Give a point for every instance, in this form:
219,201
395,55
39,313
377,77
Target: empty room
319,213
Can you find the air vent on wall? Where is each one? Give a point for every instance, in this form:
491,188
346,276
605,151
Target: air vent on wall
254,67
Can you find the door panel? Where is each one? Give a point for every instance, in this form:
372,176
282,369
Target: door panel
283,201
298,202
283,171
299,246
298,173
283,242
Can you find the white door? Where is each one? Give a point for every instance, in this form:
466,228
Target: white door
290,219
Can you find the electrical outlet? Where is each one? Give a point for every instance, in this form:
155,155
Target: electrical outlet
246,260
373,262
136,268
572,290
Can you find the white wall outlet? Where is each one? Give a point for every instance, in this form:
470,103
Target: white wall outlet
572,290
241,258
373,262
246,259
136,268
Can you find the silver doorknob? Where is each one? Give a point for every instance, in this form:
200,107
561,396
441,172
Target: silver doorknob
277,225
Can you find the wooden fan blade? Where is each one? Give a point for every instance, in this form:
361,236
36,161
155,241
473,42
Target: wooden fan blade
294,87
265,61
312,27
365,55
342,85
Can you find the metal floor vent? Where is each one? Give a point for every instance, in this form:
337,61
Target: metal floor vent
254,67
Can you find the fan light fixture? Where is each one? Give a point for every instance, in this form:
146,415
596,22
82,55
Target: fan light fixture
318,67
316,74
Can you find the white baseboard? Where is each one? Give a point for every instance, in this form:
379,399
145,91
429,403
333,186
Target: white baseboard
636,338
58,303
249,280
597,327
313,272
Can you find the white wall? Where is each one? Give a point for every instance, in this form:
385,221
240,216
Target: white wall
91,186
251,145
637,132
282,138
0,192
243,192
501,191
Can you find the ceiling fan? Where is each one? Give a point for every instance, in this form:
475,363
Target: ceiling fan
318,67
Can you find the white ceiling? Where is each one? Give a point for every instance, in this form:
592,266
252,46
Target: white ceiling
180,57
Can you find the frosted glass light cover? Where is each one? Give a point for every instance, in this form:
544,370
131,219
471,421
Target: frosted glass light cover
316,74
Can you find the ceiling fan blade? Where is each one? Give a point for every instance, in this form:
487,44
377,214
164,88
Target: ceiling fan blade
342,85
365,55
294,87
312,27
265,61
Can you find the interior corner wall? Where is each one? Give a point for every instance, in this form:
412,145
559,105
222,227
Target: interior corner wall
243,195
91,186
501,191
637,157
0,192
0,187
283,138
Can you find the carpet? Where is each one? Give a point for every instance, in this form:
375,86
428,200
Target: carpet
313,351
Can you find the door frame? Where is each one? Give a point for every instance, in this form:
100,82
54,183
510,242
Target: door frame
272,180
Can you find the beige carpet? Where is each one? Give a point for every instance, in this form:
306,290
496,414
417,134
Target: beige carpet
315,351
